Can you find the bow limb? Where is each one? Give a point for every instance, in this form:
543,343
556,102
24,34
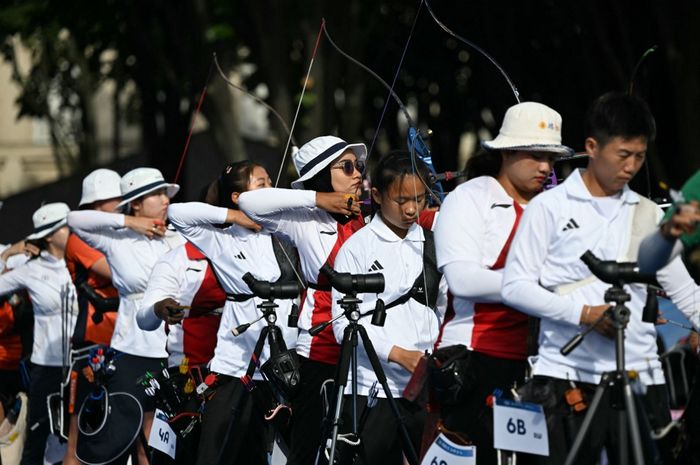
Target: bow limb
191,131
369,70
254,97
475,47
415,143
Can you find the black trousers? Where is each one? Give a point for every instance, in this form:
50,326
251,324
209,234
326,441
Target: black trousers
307,412
380,439
563,425
129,369
44,381
233,428
472,417
10,385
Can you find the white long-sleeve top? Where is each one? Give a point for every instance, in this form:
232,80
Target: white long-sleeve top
47,281
411,325
475,222
131,257
233,252
13,262
293,214
544,263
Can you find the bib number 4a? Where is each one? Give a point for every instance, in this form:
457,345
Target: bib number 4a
162,436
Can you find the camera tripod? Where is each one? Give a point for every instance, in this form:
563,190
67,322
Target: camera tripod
348,361
281,370
618,384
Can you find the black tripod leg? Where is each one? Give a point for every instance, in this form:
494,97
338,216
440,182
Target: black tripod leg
588,420
349,341
408,449
654,452
632,421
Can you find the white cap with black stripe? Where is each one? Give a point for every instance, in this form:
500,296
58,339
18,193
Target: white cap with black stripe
141,181
318,153
48,219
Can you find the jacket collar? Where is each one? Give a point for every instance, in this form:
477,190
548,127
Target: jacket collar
379,227
575,187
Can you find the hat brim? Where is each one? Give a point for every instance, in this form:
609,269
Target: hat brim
45,232
502,143
170,191
118,429
360,151
84,201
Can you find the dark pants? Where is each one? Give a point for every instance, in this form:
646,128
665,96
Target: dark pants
380,439
233,428
690,449
563,425
472,417
129,369
45,381
307,412
10,385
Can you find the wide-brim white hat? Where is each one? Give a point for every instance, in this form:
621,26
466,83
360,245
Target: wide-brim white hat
318,153
141,181
101,184
48,219
530,127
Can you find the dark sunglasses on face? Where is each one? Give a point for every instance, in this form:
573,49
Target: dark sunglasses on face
349,166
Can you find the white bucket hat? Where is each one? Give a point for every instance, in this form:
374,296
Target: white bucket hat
530,126
48,219
141,181
101,184
318,153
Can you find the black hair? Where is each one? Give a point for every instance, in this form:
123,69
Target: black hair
234,178
616,114
41,244
484,163
321,182
397,165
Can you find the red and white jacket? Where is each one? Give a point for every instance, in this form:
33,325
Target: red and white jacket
473,233
185,275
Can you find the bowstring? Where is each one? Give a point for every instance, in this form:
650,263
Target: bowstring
393,84
301,98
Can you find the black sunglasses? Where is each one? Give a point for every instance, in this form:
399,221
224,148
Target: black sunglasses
349,166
